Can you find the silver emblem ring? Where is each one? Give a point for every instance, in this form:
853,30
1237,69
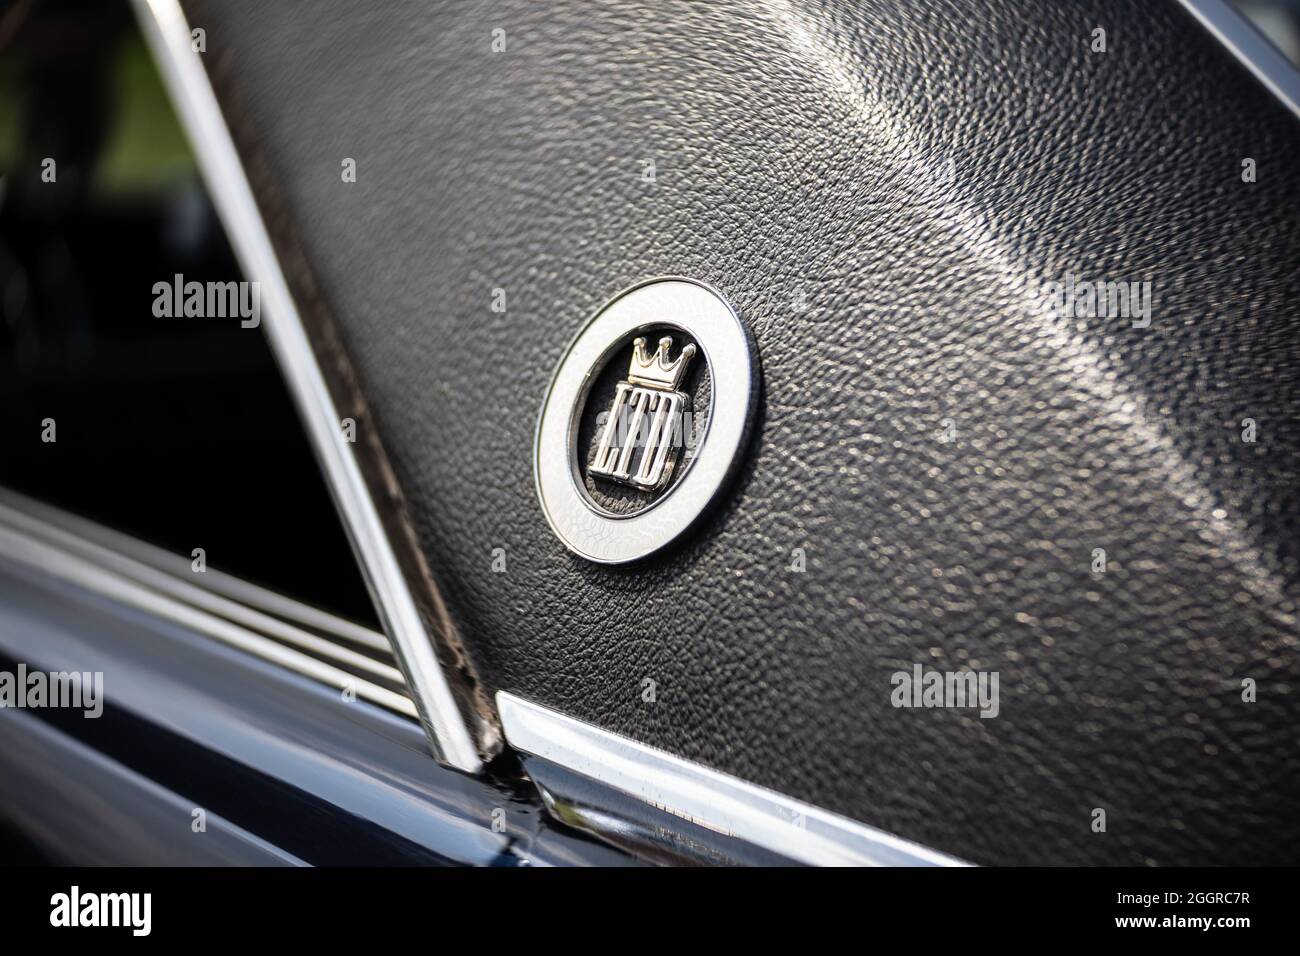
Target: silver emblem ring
732,361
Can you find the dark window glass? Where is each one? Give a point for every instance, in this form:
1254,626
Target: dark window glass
177,430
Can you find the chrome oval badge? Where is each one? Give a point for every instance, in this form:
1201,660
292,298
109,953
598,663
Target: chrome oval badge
645,420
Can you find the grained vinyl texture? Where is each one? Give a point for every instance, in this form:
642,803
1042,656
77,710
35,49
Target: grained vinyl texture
947,453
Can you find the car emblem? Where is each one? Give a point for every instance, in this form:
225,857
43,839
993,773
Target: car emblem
649,395
633,446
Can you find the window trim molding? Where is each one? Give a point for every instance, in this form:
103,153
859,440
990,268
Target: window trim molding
727,807
95,559
1267,63
168,35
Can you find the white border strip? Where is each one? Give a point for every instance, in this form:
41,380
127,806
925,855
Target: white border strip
706,797
1238,34
168,34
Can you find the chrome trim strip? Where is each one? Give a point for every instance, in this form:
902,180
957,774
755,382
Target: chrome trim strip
251,595
716,801
168,35
194,595
50,559
1269,65
122,552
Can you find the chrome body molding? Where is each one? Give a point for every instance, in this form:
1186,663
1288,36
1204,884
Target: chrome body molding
714,802
168,34
40,760
1269,65
133,573
285,770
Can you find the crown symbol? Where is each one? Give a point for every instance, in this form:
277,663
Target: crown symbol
655,370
